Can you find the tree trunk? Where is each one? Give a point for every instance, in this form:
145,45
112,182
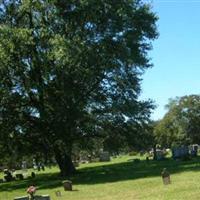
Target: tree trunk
65,163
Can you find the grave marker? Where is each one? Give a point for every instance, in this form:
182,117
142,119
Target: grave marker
58,193
166,177
67,185
104,156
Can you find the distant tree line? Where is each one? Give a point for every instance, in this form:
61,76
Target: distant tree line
181,123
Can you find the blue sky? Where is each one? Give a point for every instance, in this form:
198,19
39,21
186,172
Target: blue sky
175,54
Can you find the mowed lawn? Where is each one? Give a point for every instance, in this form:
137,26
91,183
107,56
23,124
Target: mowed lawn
121,178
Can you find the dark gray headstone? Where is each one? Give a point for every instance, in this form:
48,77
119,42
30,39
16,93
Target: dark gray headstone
67,185
42,197
159,154
180,152
104,156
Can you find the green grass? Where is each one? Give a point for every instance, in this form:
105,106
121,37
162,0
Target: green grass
119,179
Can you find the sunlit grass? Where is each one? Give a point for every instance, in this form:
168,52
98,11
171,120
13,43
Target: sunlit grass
121,178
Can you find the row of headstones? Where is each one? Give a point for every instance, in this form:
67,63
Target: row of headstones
67,187
9,176
42,197
179,152
103,157
182,151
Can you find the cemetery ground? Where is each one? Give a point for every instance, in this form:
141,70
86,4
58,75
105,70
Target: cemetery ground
122,178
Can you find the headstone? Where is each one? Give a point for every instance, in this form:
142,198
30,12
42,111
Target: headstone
8,175
22,198
58,193
89,158
95,160
104,156
19,176
67,185
159,154
33,174
24,165
166,180
42,166
35,167
45,197
194,149
166,177
180,152
42,197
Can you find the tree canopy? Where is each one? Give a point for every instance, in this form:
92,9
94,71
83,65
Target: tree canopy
70,70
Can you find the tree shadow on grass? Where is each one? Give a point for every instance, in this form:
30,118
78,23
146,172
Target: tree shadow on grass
131,170
107,173
42,181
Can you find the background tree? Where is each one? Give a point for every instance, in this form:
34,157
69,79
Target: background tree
181,124
67,67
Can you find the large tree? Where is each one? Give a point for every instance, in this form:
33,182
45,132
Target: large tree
181,124
68,68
